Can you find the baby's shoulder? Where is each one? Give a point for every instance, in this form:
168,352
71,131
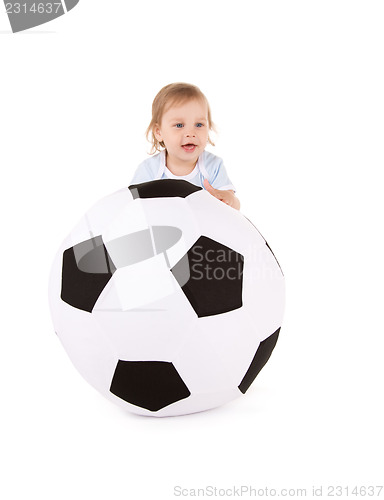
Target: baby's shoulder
152,161
211,161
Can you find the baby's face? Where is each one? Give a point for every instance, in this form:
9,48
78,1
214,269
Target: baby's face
184,130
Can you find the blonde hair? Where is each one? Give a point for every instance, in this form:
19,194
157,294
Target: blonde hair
174,93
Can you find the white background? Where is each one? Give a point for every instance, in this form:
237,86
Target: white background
296,90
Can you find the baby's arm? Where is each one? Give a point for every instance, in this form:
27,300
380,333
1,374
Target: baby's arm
225,195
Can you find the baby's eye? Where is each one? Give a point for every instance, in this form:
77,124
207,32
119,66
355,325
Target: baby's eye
199,125
179,125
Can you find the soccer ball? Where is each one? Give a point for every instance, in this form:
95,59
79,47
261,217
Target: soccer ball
166,300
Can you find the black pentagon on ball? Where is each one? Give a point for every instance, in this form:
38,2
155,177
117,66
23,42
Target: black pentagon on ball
215,283
86,270
261,357
152,385
163,189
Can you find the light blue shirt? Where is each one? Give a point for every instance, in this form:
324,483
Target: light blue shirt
208,166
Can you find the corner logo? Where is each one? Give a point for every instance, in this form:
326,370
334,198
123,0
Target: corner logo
26,14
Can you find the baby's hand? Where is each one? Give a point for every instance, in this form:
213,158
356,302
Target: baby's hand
223,195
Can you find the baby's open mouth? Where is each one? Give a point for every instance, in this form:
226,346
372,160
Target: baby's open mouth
189,147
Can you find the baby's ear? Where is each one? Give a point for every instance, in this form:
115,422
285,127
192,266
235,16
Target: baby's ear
157,132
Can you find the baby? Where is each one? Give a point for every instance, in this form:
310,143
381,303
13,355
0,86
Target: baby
179,131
